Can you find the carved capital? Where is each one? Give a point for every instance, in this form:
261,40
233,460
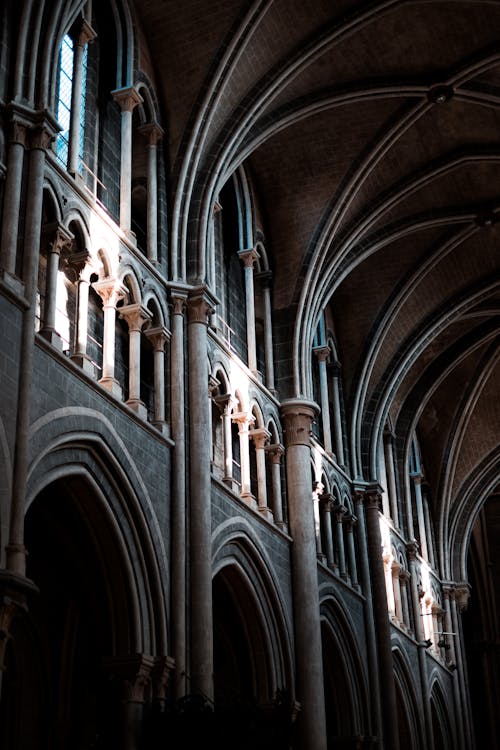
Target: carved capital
326,502
243,419
178,301
111,291
260,436
127,98
248,257
135,672
86,34
373,498
275,450
62,238
152,133
462,595
200,306
298,417
160,677
412,549
321,353
135,315
158,337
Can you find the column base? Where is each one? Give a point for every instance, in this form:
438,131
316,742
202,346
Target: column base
266,513
113,386
249,499
138,406
51,335
162,427
83,361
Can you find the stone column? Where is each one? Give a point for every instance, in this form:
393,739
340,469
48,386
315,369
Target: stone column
366,586
62,240
391,476
110,291
135,316
12,199
417,483
134,673
398,606
326,506
199,308
260,437
351,551
403,587
276,451
127,98
317,490
298,416
386,670
265,278
153,134
428,530
458,605
449,595
244,421
42,133
82,266
178,527
322,353
339,511
86,35
158,337
249,257
337,413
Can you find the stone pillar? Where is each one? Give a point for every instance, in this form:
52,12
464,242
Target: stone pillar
366,586
417,483
339,511
178,526
326,506
260,437
134,673
398,606
298,416
62,240
82,267
86,35
110,291
428,531
265,278
337,413
225,403
403,587
135,315
244,421
322,353
127,98
153,134
458,605
12,199
386,670
448,596
199,308
42,133
391,476
276,451
351,551
317,490
249,257
158,337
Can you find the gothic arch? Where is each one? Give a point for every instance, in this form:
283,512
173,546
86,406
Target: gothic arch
409,723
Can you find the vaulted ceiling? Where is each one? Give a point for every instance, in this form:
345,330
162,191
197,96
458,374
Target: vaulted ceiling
371,132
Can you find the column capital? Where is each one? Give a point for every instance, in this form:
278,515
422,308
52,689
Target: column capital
62,238
260,436
43,131
111,291
152,132
86,34
200,305
248,257
275,450
322,352
412,549
244,419
135,315
178,300
159,335
160,677
327,501
350,521
298,415
373,496
462,595
127,98
79,265
135,672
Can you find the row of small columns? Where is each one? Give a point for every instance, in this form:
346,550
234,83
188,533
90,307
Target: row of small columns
248,258
336,525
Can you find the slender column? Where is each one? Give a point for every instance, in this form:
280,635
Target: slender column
12,196
110,291
153,133
458,605
339,511
249,257
127,99
159,337
298,416
276,451
428,531
386,668
41,135
366,585
178,529
200,561
334,369
62,240
316,492
260,437
449,594
244,421
134,672
87,34
135,315
403,587
226,404
265,278
398,607
326,506
322,353
417,483
350,520
82,270
391,476
391,604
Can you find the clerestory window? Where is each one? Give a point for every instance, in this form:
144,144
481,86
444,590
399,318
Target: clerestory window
69,99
